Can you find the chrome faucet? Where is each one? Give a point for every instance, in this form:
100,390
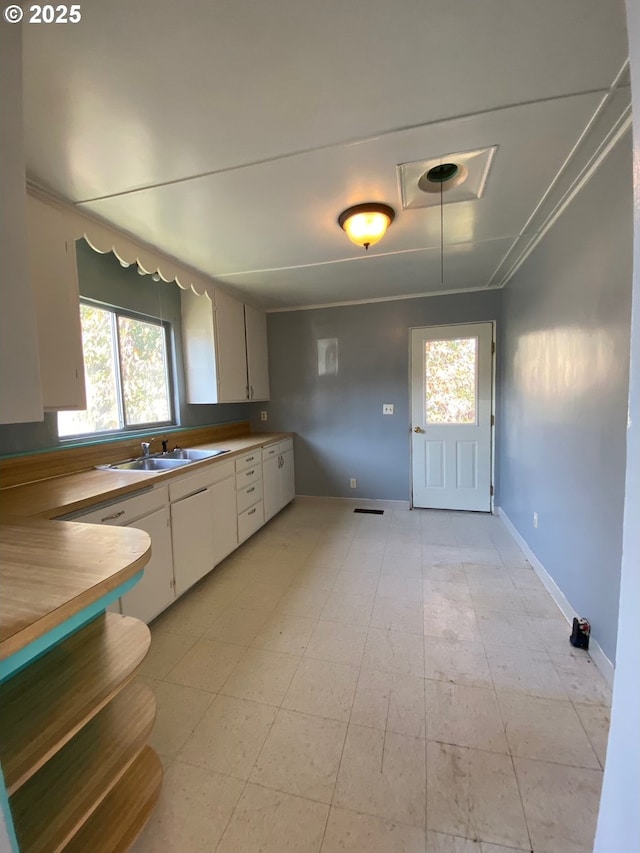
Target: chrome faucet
146,447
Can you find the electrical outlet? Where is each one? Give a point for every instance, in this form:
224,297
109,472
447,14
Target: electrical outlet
387,408
263,416
535,519
353,483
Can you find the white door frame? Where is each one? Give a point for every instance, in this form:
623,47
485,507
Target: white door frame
493,403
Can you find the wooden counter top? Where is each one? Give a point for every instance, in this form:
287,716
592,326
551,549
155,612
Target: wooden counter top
59,495
50,571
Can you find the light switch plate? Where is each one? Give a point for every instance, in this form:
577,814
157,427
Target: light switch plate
387,408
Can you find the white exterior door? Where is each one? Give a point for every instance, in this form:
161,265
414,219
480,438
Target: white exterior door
451,370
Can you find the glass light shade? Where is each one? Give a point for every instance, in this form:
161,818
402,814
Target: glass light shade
365,229
366,224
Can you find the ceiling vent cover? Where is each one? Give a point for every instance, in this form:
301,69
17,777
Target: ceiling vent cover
423,181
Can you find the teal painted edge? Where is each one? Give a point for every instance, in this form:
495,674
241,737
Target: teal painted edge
8,818
28,654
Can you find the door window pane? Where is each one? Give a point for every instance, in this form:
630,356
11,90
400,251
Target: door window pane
143,361
450,381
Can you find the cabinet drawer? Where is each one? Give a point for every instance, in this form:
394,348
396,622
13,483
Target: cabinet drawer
251,475
249,496
124,511
206,476
249,521
285,445
248,461
269,451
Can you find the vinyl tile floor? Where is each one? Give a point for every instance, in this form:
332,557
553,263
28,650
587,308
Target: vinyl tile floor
399,683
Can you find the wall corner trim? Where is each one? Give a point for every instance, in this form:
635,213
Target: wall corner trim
607,669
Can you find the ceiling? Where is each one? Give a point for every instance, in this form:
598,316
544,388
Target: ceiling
232,134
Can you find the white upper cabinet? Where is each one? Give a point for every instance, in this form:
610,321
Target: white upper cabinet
225,349
255,323
54,281
20,397
231,349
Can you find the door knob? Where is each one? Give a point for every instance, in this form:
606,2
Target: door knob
418,429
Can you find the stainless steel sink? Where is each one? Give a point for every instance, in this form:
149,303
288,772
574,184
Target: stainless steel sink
163,461
191,454
146,463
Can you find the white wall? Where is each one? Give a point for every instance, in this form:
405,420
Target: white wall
619,818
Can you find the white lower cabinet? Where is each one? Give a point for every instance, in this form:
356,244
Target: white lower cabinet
147,511
271,485
278,477
192,536
249,521
197,520
203,521
154,592
223,524
249,492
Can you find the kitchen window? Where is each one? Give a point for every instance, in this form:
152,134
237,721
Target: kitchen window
127,374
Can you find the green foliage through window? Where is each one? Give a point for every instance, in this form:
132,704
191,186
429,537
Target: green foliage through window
450,381
126,373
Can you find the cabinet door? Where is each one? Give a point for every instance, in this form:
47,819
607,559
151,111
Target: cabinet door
20,393
198,347
192,537
54,280
257,353
224,521
271,476
231,355
154,591
287,477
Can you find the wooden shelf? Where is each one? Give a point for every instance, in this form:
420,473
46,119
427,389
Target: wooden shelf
52,571
121,816
42,707
52,806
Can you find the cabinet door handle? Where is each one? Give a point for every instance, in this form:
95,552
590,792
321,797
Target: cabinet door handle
115,515
251,387
250,473
251,511
249,458
252,489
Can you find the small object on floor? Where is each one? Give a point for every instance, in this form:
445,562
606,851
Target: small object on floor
580,634
371,511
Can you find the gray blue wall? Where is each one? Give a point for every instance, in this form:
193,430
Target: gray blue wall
565,365
102,278
341,431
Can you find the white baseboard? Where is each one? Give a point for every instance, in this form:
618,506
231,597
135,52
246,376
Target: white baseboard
603,663
365,503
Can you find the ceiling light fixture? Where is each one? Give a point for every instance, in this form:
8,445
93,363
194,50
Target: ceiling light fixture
124,264
155,277
366,224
